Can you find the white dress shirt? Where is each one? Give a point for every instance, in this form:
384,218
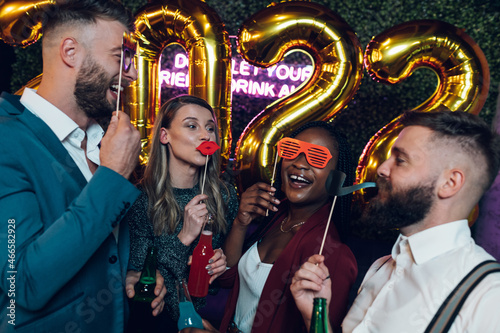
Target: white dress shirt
253,275
402,292
66,130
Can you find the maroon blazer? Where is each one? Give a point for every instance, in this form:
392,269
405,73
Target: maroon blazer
277,311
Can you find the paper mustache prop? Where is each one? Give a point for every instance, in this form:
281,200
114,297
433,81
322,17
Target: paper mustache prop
333,185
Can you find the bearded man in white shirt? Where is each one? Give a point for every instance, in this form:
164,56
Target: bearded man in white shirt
440,166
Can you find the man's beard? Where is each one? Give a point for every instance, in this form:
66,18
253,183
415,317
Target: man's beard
399,209
91,87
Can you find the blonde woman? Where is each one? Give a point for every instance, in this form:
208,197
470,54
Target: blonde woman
171,209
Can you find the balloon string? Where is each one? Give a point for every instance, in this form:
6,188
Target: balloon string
204,175
327,225
119,82
274,173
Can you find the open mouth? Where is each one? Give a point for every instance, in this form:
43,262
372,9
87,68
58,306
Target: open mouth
114,89
299,180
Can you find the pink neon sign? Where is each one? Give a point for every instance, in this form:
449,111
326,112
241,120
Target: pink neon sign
273,82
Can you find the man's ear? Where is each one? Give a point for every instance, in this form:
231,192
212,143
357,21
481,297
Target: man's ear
69,51
451,183
164,137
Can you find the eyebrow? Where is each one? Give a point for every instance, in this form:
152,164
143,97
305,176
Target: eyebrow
194,118
400,151
116,49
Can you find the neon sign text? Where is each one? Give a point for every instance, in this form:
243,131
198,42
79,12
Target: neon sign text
273,82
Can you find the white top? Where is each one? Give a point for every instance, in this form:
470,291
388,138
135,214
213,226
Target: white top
66,130
402,292
253,275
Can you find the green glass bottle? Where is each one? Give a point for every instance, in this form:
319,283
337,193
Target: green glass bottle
145,288
319,319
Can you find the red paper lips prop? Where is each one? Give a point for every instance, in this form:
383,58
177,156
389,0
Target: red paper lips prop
208,147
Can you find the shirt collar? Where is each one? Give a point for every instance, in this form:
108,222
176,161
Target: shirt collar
430,243
59,122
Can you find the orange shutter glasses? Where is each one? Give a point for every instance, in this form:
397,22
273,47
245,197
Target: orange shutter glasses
317,156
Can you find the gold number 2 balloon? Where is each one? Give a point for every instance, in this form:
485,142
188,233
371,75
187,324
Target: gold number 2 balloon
460,66
197,27
263,41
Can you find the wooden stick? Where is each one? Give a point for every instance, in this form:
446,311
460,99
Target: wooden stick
119,82
204,175
274,173
327,225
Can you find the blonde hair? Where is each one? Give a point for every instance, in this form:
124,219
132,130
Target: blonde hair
163,209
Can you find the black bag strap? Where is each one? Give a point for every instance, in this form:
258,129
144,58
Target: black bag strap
445,316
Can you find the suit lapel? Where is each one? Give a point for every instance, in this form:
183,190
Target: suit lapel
45,135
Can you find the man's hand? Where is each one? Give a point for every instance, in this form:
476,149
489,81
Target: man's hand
160,290
121,145
310,281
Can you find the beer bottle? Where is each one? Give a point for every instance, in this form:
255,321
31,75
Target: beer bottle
319,319
145,288
141,314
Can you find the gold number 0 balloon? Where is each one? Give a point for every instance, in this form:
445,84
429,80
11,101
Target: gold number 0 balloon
263,40
194,25
459,63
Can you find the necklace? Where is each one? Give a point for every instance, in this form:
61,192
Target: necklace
293,226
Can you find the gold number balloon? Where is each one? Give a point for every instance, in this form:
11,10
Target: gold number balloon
263,41
194,25
21,21
459,63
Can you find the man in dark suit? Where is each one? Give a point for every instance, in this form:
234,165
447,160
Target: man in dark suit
63,183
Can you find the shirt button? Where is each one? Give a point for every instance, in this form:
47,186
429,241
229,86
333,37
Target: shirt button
399,271
390,285
113,259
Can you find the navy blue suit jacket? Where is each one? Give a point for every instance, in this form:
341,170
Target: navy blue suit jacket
61,267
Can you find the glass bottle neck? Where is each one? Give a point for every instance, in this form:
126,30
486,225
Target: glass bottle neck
319,319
